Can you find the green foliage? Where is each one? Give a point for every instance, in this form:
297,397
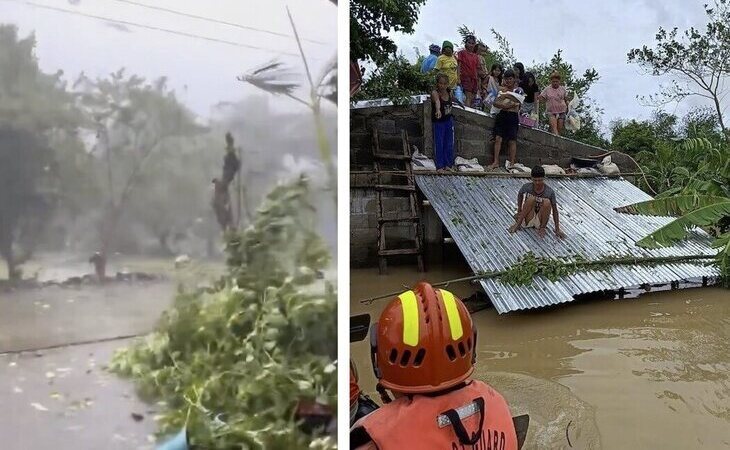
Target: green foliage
696,58
397,79
372,20
39,149
142,127
233,364
695,211
692,166
528,266
27,196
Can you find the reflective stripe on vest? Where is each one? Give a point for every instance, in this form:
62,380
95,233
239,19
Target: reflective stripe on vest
413,423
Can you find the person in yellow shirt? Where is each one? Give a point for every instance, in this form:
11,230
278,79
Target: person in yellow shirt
447,64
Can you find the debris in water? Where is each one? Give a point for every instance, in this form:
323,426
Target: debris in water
50,375
137,417
39,407
17,390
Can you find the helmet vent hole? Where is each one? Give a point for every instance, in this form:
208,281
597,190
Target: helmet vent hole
428,319
393,356
419,357
450,352
462,350
405,358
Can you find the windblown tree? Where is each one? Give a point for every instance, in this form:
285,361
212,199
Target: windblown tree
277,78
27,194
697,61
136,122
42,157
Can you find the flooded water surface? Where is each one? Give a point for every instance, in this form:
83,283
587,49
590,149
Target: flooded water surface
652,372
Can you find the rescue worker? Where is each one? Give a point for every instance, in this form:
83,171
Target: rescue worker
423,352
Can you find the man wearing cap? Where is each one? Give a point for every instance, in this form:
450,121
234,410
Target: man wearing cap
429,63
423,351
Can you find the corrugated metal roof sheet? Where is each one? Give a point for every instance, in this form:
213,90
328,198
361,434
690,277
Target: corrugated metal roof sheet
478,210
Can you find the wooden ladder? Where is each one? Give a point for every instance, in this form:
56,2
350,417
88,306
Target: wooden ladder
413,217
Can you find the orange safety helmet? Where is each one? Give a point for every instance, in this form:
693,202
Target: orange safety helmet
424,342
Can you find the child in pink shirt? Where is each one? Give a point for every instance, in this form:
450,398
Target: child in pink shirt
556,98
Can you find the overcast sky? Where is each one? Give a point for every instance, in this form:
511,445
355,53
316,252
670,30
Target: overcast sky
202,72
591,33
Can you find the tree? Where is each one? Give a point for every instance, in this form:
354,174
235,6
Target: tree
396,79
41,151
698,59
27,194
694,211
275,78
135,121
632,136
371,20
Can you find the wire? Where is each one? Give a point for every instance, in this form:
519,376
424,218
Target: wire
208,19
164,30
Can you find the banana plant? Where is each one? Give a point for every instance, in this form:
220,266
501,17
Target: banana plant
706,211
276,78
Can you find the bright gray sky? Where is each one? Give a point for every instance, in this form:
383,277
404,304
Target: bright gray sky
591,33
202,72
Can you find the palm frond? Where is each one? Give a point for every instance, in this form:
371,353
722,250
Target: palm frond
676,230
671,206
273,77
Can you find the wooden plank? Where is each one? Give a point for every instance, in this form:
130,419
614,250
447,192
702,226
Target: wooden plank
399,251
395,187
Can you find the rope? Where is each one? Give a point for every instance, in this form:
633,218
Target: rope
613,261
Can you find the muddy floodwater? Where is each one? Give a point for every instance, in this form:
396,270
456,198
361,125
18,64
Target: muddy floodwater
645,373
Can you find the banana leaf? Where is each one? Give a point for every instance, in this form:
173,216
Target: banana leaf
677,229
671,206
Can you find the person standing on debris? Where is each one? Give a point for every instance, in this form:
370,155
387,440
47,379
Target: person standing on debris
470,64
429,63
535,202
423,351
556,98
448,65
443,124
507,122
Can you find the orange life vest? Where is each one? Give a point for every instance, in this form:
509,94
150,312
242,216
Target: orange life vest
423,422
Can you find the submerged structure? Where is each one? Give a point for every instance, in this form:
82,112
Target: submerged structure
474,211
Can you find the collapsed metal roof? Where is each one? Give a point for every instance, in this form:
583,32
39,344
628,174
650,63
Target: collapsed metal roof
477,211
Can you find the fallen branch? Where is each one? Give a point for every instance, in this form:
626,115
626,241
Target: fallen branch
575,265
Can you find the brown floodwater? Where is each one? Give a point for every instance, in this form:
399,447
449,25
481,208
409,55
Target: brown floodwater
644,373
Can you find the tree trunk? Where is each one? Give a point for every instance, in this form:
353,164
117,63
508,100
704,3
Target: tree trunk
162,238
720,119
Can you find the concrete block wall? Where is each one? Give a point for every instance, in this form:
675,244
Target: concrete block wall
364,225
472,133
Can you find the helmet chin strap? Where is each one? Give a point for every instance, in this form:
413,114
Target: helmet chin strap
384,396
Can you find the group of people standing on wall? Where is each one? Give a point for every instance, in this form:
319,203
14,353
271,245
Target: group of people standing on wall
461,78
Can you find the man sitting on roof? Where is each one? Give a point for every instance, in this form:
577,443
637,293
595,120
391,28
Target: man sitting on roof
540,202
